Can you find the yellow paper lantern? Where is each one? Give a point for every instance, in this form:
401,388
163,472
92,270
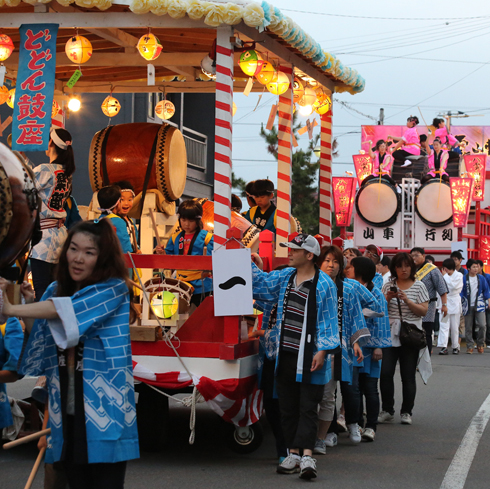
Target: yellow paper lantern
325,106
6,47
165,109
164,304
11,98
111,106
266,73
298,89
78,49
4,94
309,97
55,109
149,46
279,84
233,112
251,62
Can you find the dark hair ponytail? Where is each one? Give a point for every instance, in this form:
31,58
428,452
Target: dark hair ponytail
65,157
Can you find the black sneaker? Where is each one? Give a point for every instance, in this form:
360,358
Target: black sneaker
443,351
455,351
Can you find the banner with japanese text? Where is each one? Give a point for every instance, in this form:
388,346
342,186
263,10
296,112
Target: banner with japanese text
35,87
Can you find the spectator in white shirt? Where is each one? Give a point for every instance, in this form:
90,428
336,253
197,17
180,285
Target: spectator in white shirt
383,267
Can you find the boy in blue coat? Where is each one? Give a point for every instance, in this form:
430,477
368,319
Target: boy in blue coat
264,214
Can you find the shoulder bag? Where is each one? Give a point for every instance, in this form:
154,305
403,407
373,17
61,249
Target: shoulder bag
410,335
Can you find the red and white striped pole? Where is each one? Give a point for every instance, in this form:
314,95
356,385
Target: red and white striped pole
326,177
284,165
223,137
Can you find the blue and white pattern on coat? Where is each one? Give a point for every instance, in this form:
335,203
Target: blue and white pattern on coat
268,342
102,313
271,287
378,280
482,296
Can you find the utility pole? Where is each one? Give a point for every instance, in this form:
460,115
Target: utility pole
449,115
381,119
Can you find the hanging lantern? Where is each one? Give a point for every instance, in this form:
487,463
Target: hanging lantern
11,98
233,112
164,304
476,168
6,47
149,46
485,249
461,194
298,89
74,103
251,62
165,109
309,97
55,109
344,191
4,94
279,84
266,73
111,106
78,49
363,166
323,106
306,110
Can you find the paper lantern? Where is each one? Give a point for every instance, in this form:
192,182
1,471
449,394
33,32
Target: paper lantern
485,249
6,47
306,110
208,67
74,104
11,98
363,165
476,167
149,46
324,106
233,112
4,94
298,89
344,191
164,109
266,73
461,194
78,49
251,62
111,106
309,97
279,84
164,304
55,109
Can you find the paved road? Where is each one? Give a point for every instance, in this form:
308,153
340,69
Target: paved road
415,457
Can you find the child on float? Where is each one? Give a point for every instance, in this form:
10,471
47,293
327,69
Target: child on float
264,214
369,373
438,158
382,162
191,239
409,144
448,141
248,192
78,336
124,208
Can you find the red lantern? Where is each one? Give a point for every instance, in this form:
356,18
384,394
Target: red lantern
344,191
461,194
363,165
485,249
6,47
476,168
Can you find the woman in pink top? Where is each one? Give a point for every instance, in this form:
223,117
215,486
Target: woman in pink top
448,140
409,143
437,162
382,162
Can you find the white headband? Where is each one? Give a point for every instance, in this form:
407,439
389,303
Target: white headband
58,141
127,190
110,208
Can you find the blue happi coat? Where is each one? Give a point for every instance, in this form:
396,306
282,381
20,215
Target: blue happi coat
271,287
11,339
97,316
378,280
482,296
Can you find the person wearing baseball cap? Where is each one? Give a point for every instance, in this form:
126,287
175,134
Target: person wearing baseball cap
308,331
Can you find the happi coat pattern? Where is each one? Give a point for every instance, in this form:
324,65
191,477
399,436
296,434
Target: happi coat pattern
97,316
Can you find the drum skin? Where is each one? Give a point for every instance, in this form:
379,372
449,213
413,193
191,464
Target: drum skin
19,206
433,205
126,151
377,203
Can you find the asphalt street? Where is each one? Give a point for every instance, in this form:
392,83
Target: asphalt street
416,456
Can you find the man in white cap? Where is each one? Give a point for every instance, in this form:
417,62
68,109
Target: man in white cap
308,325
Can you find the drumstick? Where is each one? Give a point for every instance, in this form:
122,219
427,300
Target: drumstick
379,188
27,439
155,229
440,183
428,130
34,470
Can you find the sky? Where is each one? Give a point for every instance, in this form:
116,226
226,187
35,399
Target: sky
432,55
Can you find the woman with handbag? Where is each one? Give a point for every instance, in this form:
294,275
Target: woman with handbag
408,301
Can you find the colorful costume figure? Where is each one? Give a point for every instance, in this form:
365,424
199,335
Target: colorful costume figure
95,321
448,140
437,162
127,236
267,220
176,246
11,339
383,162
411,141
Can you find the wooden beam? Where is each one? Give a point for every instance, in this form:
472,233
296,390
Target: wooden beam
117,36
285,54
183,70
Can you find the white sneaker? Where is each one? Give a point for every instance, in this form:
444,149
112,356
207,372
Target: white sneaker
406,418
368,434
308,467
290,464
320,447
331,440
385,417
406,163
354,433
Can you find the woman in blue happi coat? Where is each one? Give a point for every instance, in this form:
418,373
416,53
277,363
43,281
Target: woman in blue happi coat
78,337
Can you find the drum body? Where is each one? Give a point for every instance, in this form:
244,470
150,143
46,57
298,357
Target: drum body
139,153
19,206
377,203
433,203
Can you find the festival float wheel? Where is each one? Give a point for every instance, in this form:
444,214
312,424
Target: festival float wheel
244,439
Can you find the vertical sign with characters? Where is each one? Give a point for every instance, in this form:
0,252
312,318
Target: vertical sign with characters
35,87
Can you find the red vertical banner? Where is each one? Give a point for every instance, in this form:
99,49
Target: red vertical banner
485,249
461,195
475,167
344,191
363,165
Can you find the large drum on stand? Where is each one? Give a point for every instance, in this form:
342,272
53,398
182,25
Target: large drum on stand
150,156
19,206
378,203
433,203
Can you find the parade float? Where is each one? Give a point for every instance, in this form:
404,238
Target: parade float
56,51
